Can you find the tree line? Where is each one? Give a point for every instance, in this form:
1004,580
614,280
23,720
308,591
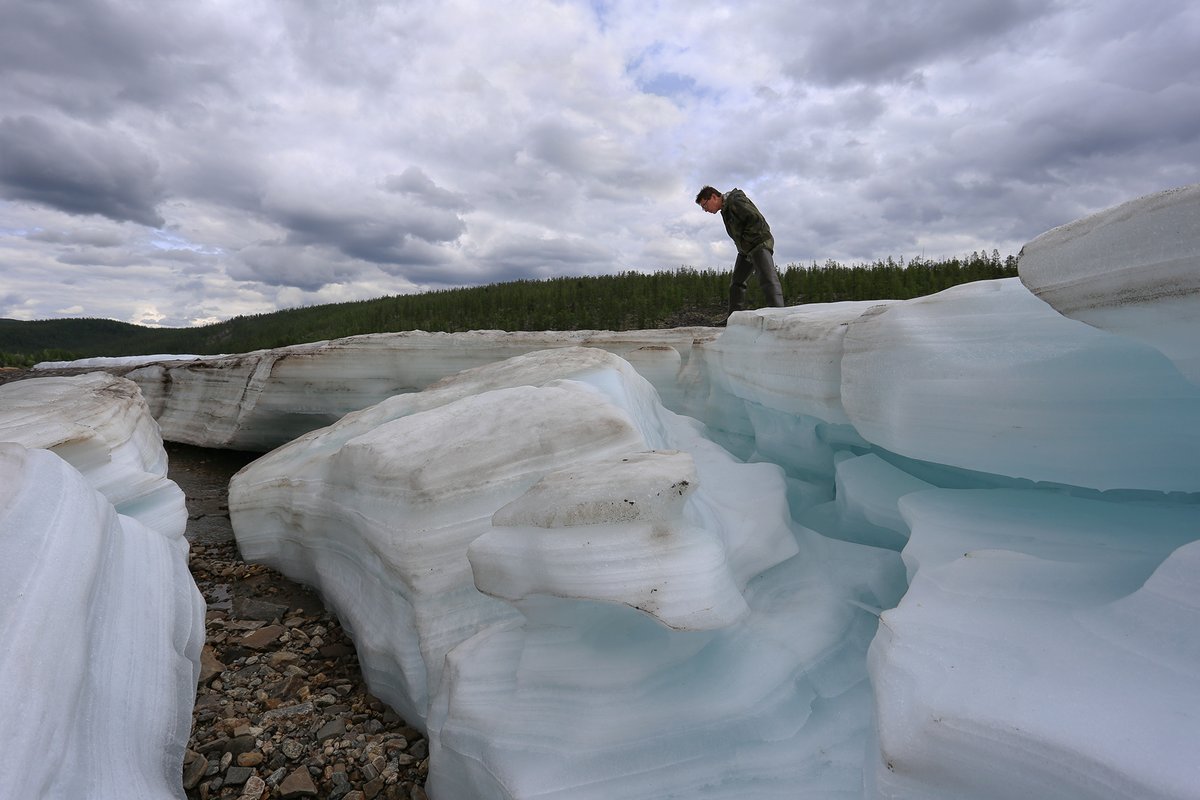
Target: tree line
625,301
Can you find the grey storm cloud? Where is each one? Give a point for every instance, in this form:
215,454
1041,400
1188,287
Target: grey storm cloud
379,239
91,257
598,162
520,255
421,188
560,146
91,58
862,41
512,257
1086,121
276,264
80,238
79,170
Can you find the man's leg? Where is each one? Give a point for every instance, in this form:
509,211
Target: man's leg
768,279
742,268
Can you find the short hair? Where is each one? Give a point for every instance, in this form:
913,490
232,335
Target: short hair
705,193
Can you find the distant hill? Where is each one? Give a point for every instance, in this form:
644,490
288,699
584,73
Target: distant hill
628,301
24,343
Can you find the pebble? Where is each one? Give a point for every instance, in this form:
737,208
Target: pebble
253,789
236,776
281,709
194,770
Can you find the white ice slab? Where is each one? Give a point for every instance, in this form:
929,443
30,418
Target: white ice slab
1044,649
986,377
1133,269
101,362
379,509
101,627
613,530
260,400
982,377
589,701
788,359
101,426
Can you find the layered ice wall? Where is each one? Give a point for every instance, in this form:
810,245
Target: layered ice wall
100,620
102,427
573,589
1045,648
1133,269
260,400
1042,477
982,377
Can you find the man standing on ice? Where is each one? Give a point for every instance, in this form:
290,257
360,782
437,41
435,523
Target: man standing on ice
755,246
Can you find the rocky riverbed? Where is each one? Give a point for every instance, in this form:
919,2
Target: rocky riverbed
281,709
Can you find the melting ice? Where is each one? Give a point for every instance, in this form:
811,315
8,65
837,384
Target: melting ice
939,548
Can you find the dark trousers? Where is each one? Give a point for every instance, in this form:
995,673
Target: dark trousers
760,261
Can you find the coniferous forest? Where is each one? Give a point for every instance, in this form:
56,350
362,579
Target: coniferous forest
626,301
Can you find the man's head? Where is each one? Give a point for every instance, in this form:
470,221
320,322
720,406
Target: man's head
709,199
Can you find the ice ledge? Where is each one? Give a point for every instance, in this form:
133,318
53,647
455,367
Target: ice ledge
614,531
100,425
261,400
1133,269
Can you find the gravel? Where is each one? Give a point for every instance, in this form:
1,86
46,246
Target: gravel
281,709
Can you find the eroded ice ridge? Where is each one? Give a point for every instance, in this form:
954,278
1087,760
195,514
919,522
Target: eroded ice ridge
100,620
260,400
1133,269
574,590
102,427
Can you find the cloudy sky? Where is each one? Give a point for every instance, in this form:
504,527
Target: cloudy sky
176,163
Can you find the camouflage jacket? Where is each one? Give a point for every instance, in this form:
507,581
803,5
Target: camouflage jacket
744,223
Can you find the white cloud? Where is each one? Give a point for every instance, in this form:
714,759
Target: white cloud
220,157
